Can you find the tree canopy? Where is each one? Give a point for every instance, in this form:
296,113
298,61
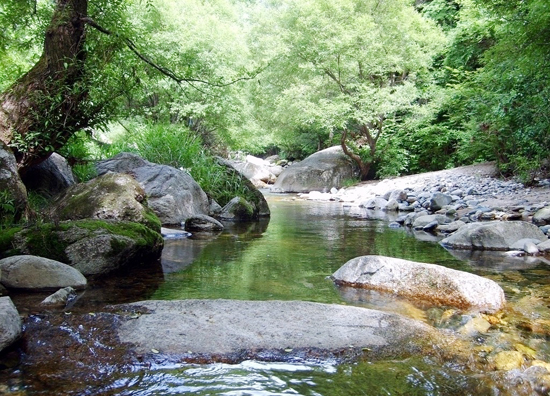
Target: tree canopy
403,86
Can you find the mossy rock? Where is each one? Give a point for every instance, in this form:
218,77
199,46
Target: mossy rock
94,247
113,196
239,209
253,195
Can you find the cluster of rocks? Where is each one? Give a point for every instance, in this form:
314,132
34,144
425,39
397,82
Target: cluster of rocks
468,206
321,171
114,221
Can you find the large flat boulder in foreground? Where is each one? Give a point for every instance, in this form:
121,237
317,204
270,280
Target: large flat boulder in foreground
226,327
425,282
494,235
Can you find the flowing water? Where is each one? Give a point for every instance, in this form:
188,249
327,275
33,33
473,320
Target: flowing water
289,258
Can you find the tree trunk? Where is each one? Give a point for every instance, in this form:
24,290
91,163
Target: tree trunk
43,109
364,167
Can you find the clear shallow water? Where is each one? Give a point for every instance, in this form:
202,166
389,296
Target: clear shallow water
290,257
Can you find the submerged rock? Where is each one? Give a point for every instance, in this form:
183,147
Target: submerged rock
10,323
203,223
37,273
60,298
426,282
229,327
497,235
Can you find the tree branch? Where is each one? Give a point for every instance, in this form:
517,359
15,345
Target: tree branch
161,69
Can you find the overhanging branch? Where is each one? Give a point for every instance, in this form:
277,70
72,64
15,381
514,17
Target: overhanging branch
161,69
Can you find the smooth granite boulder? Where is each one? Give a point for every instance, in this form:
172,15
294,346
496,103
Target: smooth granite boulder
38,273
494,235
424,282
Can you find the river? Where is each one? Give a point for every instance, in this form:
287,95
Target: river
289,257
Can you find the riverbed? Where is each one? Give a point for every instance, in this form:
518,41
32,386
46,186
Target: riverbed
289,257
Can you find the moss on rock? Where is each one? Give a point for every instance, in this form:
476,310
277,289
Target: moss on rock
94,247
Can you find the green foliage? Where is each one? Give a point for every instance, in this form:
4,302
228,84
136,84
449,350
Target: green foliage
8,209
177,146
347,66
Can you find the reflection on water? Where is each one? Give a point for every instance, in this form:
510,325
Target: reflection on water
289,258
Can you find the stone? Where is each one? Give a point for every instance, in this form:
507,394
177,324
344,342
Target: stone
94,247
374,203
508,360
391,206
60,298
11,185
439,200
420,281
319,172
37,273
10,323
431,226
252,194
474,326
171,193
225,327
50,177
544,246
497,235
112,196
422,221
170,233
451,227
520,245
238,209
256,169
542,216
203,223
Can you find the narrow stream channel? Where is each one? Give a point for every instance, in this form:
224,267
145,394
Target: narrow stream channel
289,258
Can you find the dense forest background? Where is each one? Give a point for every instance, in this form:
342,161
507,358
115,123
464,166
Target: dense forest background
404,86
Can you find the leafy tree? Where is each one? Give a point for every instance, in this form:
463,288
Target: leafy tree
348,67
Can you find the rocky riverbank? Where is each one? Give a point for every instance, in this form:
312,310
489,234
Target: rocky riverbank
441,202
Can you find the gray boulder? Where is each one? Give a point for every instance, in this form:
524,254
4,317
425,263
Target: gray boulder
319,172
37,273
227,327
374,203
10,323
419,281
94,247
12,188
203,223
50,177
256,170
422,221
439,200
542,216
171,193
60,298
112,196
495,235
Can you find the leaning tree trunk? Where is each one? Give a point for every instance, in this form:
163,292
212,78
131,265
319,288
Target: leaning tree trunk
364,167
42,109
